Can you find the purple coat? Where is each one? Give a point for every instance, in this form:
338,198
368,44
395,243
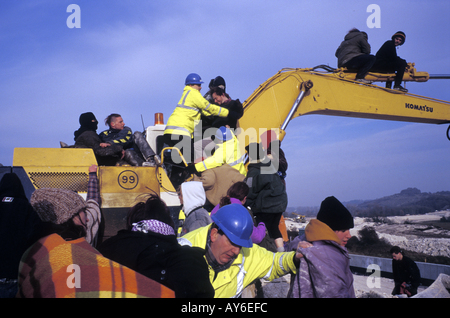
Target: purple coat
259,232
325,268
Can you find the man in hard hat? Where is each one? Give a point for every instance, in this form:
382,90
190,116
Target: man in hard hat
234,262
228,152
180,125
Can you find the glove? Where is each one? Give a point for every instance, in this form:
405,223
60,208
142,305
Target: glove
191,169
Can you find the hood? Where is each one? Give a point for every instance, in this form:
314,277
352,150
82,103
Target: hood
319,231
352,34
11,186
193,196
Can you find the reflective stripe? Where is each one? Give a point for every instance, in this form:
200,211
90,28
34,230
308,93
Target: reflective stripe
189,108
182,105
185,96
270,270
241,159
184,242
178,128
240,279
281,264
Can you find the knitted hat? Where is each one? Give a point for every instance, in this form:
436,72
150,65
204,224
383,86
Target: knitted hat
217,82
400,34
56,205
334,214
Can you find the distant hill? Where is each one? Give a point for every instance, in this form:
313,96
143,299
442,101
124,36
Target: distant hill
409,201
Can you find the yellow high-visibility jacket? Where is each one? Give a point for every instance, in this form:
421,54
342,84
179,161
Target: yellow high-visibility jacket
228,152
252,263
189,110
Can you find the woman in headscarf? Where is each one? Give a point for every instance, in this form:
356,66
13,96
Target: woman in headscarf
149,246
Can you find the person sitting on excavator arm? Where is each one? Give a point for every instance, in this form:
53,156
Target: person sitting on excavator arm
234,261
227,152
180,125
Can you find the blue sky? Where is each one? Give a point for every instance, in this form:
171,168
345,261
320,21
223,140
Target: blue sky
132,57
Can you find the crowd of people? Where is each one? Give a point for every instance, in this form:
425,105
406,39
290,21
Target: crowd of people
228,239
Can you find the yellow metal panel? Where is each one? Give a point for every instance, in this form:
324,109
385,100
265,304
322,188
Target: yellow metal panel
268,106
65,168
54,157
330,96
122,186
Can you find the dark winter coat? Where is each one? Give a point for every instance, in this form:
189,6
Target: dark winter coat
267,193
387,53
387,59
159,257
105,156
354,44
20,225
122,137
236,111
406,271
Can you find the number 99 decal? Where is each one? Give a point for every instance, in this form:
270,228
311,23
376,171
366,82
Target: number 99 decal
128,180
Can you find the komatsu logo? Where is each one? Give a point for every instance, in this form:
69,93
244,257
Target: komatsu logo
423,108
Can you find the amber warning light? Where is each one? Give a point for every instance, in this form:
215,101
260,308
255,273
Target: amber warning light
159,119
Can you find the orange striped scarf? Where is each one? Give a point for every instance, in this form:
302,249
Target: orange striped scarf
55,268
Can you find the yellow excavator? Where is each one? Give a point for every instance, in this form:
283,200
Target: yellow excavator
288,94
299,218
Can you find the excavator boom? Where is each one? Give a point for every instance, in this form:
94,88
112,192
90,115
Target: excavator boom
295,92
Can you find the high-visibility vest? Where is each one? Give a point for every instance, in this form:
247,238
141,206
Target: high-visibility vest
229,153
189,110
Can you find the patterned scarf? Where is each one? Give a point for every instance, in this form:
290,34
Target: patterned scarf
153,226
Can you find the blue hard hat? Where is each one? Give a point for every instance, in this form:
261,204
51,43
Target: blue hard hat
236,223
223,134
192,79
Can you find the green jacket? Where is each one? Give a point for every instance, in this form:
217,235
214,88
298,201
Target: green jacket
267,193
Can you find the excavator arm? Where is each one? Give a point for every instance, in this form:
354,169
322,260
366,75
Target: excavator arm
296,92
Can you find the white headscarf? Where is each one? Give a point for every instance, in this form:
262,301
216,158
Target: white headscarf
193,196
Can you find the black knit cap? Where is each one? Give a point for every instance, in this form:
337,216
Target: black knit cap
334,214
400,34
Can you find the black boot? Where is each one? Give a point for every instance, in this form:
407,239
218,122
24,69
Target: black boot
132,158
